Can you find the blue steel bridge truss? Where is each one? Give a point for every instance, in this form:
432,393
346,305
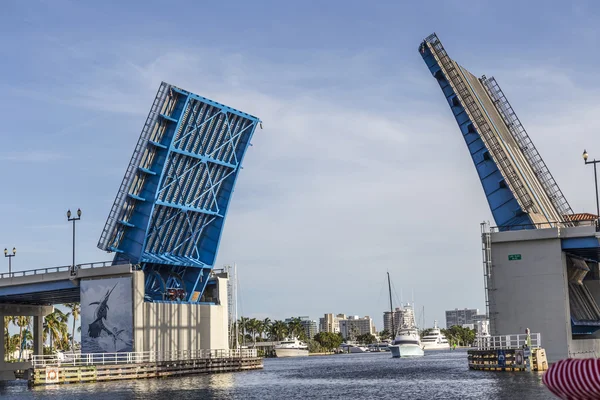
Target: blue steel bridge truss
521,192
169,212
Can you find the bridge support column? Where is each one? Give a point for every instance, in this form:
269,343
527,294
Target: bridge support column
38,337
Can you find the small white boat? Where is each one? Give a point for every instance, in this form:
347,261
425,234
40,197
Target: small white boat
358,349
352,348
291,348
435,340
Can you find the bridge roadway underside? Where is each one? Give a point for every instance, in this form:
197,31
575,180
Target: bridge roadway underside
52,287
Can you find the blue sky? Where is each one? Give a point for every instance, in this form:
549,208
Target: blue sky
360,167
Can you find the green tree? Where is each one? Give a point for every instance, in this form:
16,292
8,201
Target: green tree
278,331
328,340
295,328
55,326
253,326
75,311
266,326
458,335
366,338
6,336
242,324
385,334
314,346
22,322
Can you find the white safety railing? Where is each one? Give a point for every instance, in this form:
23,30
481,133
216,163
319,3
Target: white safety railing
76,359
505,342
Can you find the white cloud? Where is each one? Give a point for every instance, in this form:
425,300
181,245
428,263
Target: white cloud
347,179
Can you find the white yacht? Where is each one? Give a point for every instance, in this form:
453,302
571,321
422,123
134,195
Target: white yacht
291,348
434,340
407,342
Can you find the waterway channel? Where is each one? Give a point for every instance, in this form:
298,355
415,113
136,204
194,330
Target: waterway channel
438,375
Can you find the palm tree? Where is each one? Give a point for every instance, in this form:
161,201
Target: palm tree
22,322
260,329
278,331
55,325
75,311
266,325
6,336
242,323
253,327
296,328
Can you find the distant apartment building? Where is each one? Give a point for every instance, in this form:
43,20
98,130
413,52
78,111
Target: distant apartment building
397,319
353,326
310,327
466,316
329,323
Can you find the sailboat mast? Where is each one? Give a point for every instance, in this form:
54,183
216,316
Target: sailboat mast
391,306
235,285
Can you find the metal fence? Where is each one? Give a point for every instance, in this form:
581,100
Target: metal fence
544,225
77,359
505,342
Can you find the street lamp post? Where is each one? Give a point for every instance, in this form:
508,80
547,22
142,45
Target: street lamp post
585,159
73,219
10,256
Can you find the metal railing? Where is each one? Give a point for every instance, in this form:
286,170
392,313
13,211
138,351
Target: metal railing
77,359
534,158
506,342
544,225
62,268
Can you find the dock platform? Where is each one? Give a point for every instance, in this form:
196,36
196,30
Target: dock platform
102,367
508,353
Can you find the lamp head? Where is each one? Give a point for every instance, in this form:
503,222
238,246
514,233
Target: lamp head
5,252
79,212
69,214
585,155
14,251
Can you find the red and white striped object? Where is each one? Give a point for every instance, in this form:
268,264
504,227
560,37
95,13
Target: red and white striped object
574,379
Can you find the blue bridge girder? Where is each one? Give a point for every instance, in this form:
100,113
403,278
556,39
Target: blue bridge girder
169,212
519,188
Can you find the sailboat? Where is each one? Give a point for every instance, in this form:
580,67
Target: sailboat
407,342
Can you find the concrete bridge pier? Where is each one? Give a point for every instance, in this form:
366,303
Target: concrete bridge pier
7,369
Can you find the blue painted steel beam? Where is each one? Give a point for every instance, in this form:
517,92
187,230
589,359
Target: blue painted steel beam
204,159
177,204
187,208
503,204
34,288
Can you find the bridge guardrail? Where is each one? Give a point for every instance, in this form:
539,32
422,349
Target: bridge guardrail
542,225
77,359
62,268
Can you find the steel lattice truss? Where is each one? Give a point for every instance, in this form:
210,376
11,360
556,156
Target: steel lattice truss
520,190
169,212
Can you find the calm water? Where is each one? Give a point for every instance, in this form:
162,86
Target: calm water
441,375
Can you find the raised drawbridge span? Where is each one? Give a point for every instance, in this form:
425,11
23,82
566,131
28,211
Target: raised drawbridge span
520,190
170,209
